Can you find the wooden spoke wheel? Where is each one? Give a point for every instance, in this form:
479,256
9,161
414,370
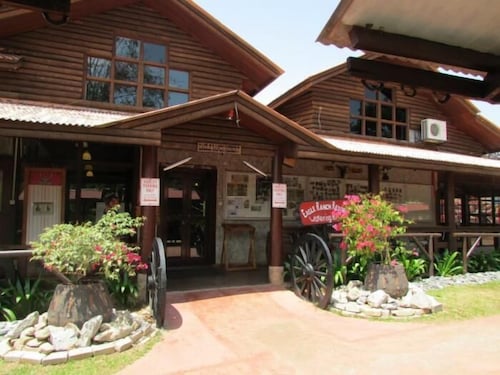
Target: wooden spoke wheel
157,282
311,269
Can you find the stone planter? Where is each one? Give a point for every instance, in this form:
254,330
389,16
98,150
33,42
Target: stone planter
77,303
391,279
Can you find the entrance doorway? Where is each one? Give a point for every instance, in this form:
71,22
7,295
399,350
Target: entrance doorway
188,216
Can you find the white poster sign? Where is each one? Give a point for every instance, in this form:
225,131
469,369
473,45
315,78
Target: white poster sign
279,195
150,192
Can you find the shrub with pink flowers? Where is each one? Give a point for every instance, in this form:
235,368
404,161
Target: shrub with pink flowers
368,224
74,251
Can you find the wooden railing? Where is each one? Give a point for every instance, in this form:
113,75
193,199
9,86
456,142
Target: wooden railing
468,250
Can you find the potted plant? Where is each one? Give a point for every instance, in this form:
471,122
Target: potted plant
82,256
369,224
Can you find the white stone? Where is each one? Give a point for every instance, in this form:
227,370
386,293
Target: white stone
46,348
32,357
377,298
42,333
137,335
55,358
13,356
4,347
106,348
353,307
80,353
123,344
28,332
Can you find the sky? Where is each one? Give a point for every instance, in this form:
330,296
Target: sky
285,31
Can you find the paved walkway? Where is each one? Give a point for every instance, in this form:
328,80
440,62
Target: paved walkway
264,330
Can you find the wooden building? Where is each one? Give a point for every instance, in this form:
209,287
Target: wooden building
153,101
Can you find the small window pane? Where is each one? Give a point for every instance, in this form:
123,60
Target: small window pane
371,128
126,71
385,95
153,98
154,75
125,95
155,53
127,47
98,91
355,126
371,110
371,94
386,130
387,112
401,114
355,107
177,98
97,67
401,132
178,79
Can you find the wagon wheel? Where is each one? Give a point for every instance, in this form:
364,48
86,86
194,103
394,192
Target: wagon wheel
312,270
157,281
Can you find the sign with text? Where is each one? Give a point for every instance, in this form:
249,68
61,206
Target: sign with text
150,192
279,195
319,212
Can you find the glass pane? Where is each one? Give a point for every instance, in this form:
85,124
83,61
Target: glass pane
486,210
497,210
387,112
153,98
155,52
154,75
371,128
370,94
385,95
98,91
371,109
97,67
386,130
401,115
473,206
125,95
126,71
401,132
355,107
355,126
177,98
178,79
127,47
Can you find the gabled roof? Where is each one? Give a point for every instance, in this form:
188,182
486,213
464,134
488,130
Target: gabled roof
465,115
247,112
459,33
188,16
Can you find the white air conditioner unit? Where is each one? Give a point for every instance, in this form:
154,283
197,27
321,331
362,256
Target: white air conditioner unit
433,131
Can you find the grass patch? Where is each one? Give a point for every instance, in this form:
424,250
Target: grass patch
100,365
466,302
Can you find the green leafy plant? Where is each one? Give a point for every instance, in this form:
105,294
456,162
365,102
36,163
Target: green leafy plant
124,290
448,264
484,262
368,222
6,312
74,251
413,264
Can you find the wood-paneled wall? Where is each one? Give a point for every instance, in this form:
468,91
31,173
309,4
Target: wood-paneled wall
54,57
324,109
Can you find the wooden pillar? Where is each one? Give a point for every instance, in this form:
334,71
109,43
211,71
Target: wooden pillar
373,178
149,169
450,210
276,216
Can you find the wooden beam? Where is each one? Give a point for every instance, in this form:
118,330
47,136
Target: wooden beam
387,72
492,83
421,49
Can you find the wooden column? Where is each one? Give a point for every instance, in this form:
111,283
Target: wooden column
373,178
277,216
450,210
149,170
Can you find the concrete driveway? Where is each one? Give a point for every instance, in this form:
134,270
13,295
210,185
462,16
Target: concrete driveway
264,330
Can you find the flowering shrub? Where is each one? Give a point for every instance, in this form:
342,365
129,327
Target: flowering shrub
76,251
368,222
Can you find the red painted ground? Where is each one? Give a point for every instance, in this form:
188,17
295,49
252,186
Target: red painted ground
263,330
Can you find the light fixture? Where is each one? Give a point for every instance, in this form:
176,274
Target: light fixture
86,155
89,170
176,164
254,168
385,174
89,174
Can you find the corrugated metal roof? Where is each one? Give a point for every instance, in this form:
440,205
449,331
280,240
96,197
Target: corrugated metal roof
45,113
382,149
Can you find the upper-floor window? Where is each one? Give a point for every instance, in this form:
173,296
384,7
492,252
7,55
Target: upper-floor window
137,75
378,116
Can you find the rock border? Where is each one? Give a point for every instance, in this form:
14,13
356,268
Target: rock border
33,341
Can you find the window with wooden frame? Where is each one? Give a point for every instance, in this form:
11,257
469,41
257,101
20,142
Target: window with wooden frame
377,115
138,74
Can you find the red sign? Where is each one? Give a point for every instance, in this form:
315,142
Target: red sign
319,212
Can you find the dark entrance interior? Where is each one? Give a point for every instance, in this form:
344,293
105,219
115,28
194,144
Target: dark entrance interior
188,216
